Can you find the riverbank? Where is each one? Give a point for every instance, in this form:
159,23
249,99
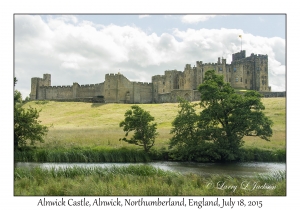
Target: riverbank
130,155
141,180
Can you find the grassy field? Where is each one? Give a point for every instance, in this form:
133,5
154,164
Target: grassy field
139,180
85,132
77,124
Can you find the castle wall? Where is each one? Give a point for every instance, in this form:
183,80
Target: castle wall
89,90
118,89
145,92
243,73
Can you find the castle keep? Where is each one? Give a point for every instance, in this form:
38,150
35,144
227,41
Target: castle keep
244,72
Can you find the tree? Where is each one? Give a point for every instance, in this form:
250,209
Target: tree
187,142
228,117
217,132
138,121
26,123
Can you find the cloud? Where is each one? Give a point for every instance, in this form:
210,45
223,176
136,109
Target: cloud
84,52
192,19
143,16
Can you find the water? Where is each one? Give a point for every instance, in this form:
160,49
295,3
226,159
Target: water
232,169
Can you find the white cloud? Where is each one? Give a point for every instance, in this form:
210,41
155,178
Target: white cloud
143,16
191,19
84,52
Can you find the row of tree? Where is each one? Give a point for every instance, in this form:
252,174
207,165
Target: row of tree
214,134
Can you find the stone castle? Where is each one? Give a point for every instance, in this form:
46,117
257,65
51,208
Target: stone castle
243,73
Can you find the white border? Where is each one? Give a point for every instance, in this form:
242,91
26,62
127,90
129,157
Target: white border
8,8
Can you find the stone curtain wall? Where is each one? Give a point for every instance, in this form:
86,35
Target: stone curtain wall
243,73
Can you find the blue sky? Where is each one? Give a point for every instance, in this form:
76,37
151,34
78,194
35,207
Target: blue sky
258,25
83,48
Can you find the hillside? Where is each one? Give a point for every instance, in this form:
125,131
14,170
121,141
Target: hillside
77,124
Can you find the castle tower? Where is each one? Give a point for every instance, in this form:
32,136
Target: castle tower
36,83
250,72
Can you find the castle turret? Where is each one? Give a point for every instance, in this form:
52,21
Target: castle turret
36,83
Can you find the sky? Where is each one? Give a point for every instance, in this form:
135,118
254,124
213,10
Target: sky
83,48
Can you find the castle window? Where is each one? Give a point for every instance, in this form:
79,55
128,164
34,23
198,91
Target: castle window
245,81
234,69
229,79
220,69
257,68
163,83
247,72
236,79
229,70
241,79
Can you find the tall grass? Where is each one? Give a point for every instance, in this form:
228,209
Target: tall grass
86,155
130,155
136,180
255,154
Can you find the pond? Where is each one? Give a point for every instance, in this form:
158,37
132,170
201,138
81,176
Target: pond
205,169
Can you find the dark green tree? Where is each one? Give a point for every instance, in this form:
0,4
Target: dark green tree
187,142
139,121
228,116
218,131
27,127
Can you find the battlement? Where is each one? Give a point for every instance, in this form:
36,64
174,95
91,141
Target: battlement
259,55
239,55
158,76
58,86
143,83
87,85
172,71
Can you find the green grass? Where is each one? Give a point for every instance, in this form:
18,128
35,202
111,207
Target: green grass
78,124
85,155
137,180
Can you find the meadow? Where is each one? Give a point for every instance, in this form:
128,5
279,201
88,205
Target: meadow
87,125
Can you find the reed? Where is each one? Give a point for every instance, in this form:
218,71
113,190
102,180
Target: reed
262,155
85,155
131,155
139,180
